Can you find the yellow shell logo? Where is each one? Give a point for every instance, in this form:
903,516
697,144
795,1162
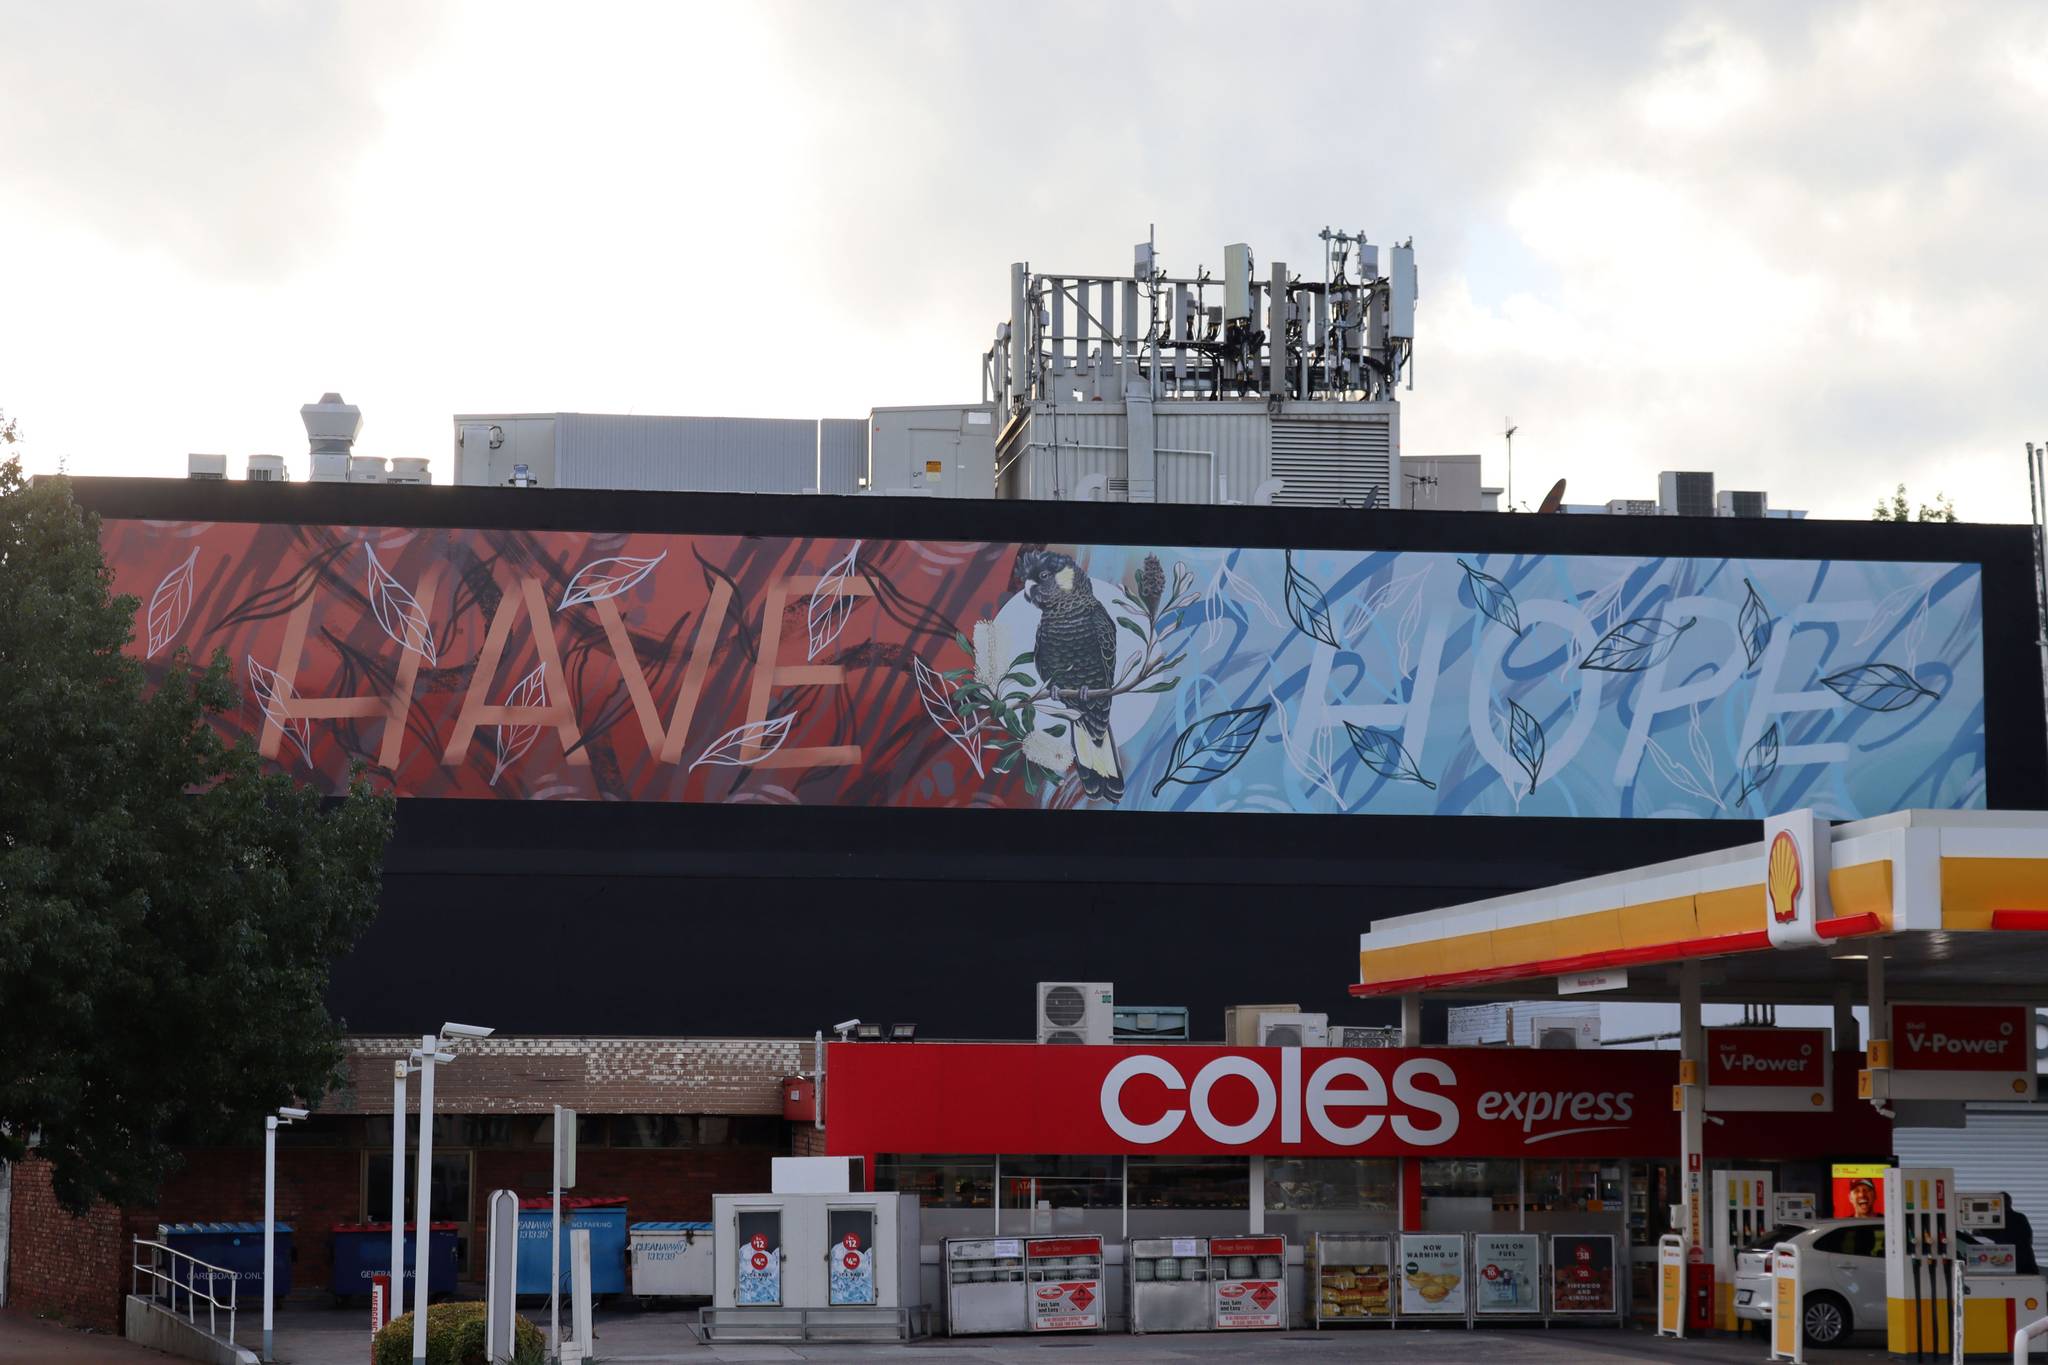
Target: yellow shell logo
1782,880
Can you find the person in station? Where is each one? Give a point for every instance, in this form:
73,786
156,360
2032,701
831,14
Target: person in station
2020,1232
1862,1199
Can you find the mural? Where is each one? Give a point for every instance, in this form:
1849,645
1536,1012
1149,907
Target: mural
591,666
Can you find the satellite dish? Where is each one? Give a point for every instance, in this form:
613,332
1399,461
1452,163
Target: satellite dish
1553,501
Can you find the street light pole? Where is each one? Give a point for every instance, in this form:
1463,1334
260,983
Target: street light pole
397,1296
270,1125
423,1202
269,1218
430,1052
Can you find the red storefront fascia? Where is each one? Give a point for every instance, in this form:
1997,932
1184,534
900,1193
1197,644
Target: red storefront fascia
884,1098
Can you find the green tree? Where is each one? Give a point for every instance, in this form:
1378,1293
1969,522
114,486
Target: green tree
169,911
1897,509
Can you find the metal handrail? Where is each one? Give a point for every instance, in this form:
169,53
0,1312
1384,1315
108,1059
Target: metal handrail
2025,1335
165,1286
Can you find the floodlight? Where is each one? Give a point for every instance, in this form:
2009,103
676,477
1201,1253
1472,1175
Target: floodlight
902,1033
289,1113
465,1031
868,1033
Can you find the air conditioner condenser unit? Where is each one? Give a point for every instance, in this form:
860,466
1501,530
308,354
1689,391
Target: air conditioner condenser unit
1076,1011
1294,1030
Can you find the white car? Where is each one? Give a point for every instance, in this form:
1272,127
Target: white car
1843,1266
1844,1273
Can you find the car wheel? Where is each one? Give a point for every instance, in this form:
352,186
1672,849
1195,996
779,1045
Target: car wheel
1826,1320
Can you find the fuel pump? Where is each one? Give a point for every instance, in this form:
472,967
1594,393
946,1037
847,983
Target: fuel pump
1994,1297
1739,1215
1919,1249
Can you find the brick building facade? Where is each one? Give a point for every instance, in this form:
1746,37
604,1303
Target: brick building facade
665,1123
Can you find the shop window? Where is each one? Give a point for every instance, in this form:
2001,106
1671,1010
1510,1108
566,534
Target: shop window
326,1130
1346,1183
1190,1182
449,1185
1573,1186
940,1182
1496,1181
1063,1182
758,1130
651,1130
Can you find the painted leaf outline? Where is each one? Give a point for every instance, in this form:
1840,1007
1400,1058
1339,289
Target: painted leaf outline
1383,752
272,691
608,577
1242,587
936,692
1754,624
1525,741
1679,775
514,740
1760,764
1492,597
729,750
1876,687
398,614
1636,645
1307,607
1213,745
831,603
170,604
1310,757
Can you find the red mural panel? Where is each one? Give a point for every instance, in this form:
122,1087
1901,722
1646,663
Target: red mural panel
576,665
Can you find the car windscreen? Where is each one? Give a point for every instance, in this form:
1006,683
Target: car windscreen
1784,1232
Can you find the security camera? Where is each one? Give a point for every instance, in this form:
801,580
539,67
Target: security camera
847,1027
292,1113
466,1030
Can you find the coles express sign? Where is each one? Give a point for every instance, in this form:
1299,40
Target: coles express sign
1459,1101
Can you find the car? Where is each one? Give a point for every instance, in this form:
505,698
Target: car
1843,1266
1843,1269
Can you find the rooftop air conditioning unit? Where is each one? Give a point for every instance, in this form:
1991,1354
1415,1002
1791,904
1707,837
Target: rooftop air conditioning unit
1150,1023
206,466
410,469
1241,1022
1294,1030
366,469
1352,1035
266,469
1567,1032
1076,1011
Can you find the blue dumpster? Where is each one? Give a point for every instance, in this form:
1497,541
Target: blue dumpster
606,1219
236,1248
363,1250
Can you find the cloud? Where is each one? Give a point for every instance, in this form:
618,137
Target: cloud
1792,244
222,134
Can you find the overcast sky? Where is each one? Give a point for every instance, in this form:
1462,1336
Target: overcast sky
1799,245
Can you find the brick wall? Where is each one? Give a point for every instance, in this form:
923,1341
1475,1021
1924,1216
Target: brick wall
806,1140
528,1075
72,1269
316,1188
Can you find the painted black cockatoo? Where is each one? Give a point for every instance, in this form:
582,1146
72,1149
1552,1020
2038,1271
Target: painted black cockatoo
1076,653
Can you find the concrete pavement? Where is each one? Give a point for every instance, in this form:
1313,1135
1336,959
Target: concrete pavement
24,1338
627,1337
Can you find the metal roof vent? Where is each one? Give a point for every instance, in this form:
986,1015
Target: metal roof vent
331,427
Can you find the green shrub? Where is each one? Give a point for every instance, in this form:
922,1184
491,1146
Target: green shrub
455,1336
